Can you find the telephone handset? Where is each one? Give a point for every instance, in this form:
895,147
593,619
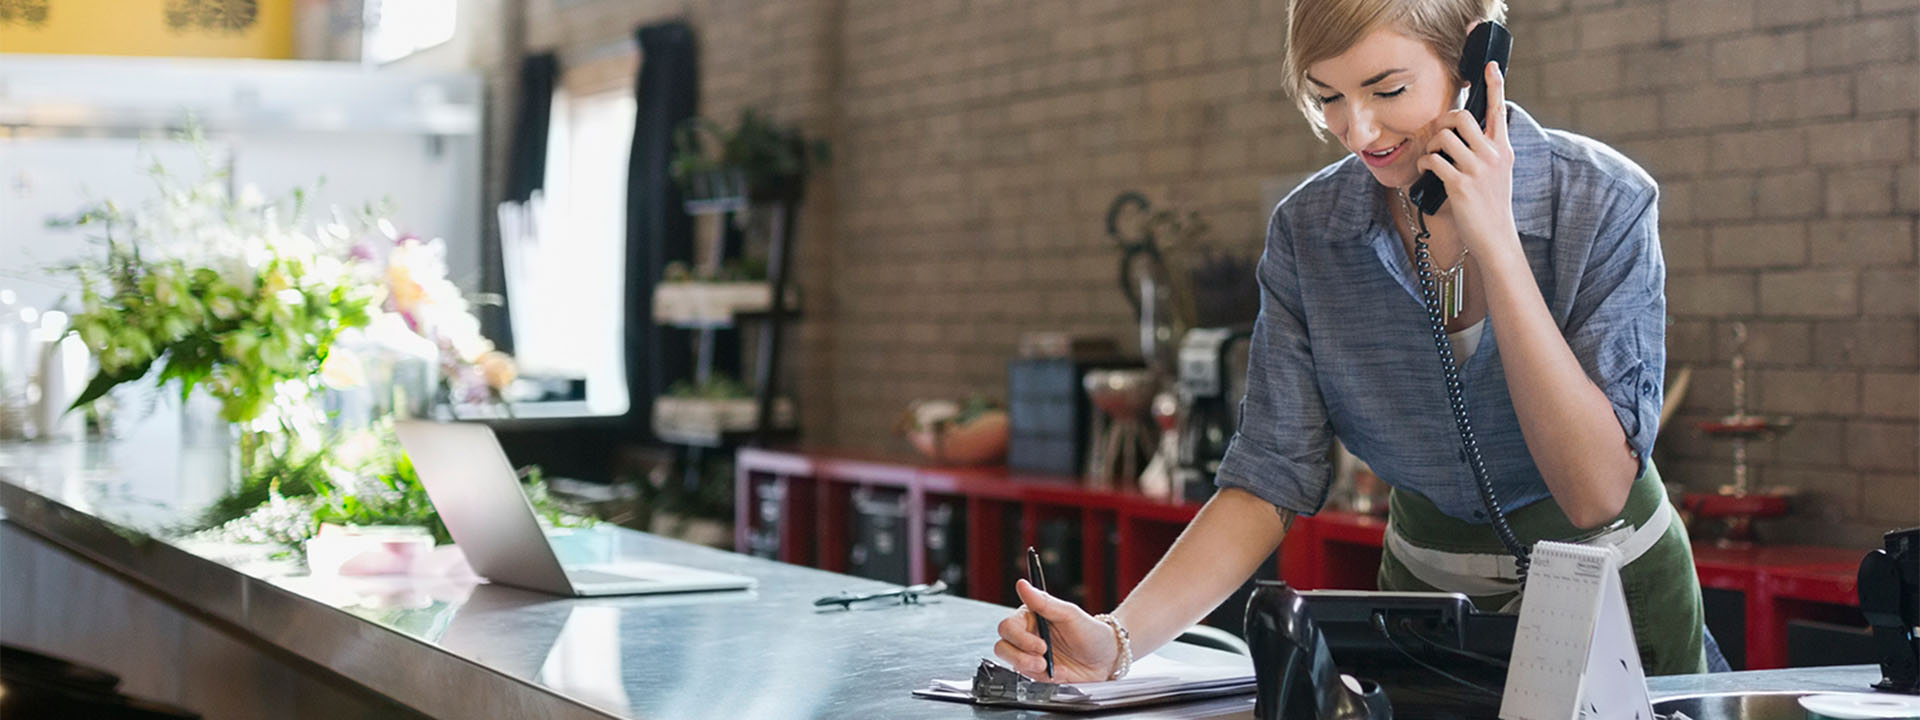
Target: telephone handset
1487,42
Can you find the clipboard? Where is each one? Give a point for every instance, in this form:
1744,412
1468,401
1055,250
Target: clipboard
1195,674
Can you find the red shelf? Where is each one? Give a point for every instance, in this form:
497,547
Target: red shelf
1146,526
1331,550
1778,582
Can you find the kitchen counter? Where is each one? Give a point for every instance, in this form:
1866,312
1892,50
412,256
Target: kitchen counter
447,648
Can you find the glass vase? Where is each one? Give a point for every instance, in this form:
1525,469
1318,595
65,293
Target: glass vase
209,445
398,382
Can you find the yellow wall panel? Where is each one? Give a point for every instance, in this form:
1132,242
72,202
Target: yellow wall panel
183,28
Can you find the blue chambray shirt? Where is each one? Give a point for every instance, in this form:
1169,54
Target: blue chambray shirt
1343,348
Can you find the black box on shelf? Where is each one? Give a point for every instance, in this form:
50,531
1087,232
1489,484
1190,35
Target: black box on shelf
1060,551
947,542
879,549
763,537
1048,414
1813,643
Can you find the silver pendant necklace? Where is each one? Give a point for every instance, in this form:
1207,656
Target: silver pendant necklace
1452,290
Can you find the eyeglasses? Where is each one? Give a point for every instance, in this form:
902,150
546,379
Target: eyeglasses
909,595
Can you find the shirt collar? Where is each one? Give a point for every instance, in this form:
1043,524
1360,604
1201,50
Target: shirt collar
1354,212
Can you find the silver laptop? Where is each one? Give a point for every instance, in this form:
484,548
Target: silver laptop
475,489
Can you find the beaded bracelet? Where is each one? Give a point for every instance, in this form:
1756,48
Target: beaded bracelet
1125,643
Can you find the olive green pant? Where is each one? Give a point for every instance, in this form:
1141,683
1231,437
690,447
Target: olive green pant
1662,589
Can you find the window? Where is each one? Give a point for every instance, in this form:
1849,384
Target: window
398,28
566,279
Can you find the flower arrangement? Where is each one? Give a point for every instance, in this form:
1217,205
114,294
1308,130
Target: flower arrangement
230,293
256,303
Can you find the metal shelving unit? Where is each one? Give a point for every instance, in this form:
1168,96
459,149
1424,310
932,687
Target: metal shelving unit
767,425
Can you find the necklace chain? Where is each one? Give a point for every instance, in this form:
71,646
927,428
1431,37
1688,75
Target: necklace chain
1451,290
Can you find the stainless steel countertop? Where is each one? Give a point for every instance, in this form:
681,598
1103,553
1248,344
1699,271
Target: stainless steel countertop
457,649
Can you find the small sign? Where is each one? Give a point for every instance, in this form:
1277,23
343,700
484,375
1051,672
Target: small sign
1574,654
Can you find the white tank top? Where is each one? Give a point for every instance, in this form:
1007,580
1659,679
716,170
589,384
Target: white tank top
1465,341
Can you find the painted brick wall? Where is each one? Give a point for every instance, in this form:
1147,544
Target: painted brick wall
978,143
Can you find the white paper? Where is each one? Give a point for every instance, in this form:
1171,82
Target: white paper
1574,654
1151,676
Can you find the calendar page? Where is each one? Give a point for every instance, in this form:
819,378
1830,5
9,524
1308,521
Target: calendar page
1574,653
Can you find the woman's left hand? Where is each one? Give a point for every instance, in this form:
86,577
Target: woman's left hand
1480,176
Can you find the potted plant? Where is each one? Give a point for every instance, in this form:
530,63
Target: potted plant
687,298
710,409
951,433
759,159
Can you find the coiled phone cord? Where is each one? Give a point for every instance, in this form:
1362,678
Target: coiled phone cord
1456,396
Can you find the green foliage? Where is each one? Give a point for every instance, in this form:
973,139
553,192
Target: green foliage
217,292
719,387
976,405
710,495
937,415
289,495
393,497
738,270
771,159
284,475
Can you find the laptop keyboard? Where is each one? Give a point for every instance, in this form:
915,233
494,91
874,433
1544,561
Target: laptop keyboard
592,577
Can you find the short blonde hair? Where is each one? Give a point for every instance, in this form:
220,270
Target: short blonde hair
1322,29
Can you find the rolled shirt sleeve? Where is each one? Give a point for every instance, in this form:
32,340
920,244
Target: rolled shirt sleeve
1280,450
1617,323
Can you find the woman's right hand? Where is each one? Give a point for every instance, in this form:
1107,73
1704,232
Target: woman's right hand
1084,649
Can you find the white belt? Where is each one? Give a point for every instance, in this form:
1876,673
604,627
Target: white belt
1481,574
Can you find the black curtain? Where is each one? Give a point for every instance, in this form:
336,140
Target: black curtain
526,172
666,92
527,166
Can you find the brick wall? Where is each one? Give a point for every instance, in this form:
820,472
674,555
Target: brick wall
978,143
984,141
1783,136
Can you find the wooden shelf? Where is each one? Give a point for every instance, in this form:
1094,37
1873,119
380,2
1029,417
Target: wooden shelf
716,206
717,422
1331,550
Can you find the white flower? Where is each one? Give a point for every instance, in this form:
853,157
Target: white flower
389,331
250,196
296,244
235,271
327,270
342,370
222,307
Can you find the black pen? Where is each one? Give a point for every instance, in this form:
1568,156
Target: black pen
1039,579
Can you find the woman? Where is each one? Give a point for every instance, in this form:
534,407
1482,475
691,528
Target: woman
1548,239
